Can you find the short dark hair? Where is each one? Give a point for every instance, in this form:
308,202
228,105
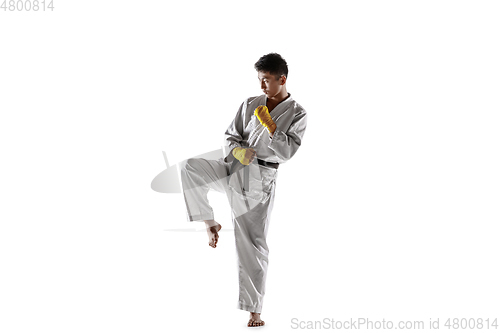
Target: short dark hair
272,63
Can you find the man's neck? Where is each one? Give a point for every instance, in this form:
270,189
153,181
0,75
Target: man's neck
275,100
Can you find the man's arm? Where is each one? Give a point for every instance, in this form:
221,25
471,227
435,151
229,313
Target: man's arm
286,144
234,133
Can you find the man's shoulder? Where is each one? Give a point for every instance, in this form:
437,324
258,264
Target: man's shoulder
298,108
253,99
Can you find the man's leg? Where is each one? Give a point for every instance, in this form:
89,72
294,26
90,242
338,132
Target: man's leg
250,231
198,176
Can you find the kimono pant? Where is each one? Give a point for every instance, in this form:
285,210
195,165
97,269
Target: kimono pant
250,221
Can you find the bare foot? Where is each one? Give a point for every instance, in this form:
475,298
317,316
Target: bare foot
255,320
212,231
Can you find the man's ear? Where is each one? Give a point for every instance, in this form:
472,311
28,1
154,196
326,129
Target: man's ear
282,79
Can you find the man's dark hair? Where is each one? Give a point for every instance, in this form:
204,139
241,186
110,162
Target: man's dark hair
274,64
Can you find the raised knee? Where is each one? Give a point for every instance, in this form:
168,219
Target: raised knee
189,164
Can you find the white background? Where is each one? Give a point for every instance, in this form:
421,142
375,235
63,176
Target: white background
389,210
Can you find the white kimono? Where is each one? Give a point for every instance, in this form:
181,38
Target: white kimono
251,209
246,131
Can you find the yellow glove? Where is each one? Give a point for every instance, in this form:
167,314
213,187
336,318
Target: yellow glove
240,153
262,113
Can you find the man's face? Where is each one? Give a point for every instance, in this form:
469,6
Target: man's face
269,85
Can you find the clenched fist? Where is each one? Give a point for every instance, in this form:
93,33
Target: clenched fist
244,155
262,113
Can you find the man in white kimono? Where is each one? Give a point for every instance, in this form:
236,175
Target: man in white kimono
266,132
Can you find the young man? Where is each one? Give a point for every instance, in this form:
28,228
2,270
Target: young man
266,132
